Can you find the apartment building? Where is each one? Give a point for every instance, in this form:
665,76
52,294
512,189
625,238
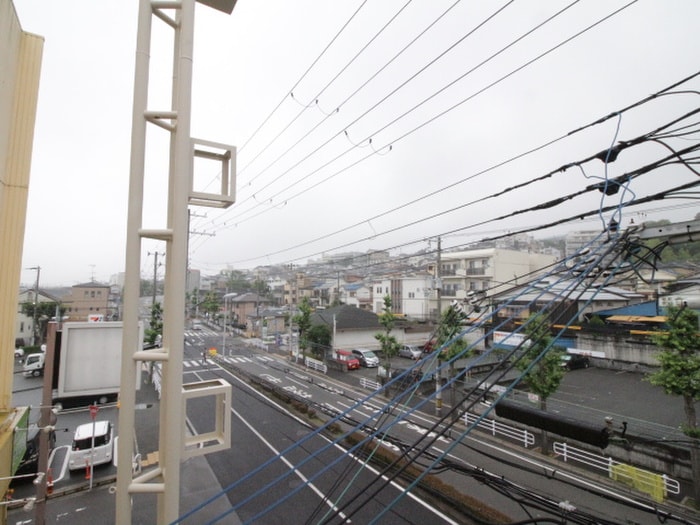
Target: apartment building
489,270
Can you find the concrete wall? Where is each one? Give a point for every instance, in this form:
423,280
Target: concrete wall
622,352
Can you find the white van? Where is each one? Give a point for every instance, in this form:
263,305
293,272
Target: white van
82,453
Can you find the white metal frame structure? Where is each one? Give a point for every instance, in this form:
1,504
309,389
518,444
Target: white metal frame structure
164,481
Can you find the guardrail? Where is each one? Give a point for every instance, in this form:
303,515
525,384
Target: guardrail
368,383
496,428
259,343
314,364
656,485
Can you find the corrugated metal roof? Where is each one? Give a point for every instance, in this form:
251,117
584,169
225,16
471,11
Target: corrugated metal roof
647,309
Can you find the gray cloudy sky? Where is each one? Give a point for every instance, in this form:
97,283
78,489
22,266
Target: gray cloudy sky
365,135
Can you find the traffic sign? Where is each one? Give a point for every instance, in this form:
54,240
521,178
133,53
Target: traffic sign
93,411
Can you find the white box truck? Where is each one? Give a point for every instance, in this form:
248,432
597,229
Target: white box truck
87,363
34,364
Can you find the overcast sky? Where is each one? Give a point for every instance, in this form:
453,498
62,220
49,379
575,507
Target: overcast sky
397,133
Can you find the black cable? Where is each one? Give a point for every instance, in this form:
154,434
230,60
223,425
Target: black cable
386,97
543,205
424,101
302,76
431,429
635,141
317,96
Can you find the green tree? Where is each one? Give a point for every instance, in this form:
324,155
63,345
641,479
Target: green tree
319,339
210,303
45,311
679,374
448,329
303,322
387,342
155,324
542,374
236,281
261,288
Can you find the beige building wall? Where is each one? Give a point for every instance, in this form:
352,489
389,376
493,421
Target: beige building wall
85,300
20,67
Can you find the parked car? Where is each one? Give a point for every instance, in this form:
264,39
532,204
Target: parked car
574,361
410,351
366,357
92,448
348,359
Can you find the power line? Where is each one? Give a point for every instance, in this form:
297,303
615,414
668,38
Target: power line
316,97
345,25
406,134
625,178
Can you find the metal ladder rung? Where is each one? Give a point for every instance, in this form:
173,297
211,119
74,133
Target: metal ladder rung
162,235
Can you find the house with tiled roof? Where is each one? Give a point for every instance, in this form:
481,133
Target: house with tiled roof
246,307
353,327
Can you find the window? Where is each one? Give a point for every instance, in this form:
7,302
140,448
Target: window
92,294
450,290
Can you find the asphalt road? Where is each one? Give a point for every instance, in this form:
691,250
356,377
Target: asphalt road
304,482
261,429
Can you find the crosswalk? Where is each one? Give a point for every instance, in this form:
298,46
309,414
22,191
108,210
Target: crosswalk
234,359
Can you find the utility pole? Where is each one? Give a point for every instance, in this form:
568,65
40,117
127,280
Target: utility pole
155,275
438,289
36,303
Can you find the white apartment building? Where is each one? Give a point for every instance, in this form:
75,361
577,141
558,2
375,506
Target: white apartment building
490,270
410,295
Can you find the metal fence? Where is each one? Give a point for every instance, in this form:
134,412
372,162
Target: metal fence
656,485
496,428
314,364
368,383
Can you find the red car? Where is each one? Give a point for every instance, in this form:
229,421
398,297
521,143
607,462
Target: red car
348,359
429,346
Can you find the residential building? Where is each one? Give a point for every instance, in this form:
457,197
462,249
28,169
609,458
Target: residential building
350,327
246,307
356,294
24,324
568,301
576,241
87,299
411,296
490,270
